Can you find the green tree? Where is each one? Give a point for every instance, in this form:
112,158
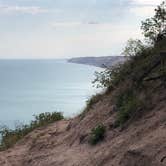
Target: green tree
155,28
133,47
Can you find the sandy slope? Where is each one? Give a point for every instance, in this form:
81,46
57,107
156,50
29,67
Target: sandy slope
140,143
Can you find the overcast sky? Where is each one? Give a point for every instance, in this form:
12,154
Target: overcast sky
69,28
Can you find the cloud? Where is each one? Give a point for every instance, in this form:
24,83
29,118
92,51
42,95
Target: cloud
65,24
144,8
100,39
147,2
72,24
93,23
6,9
94,40
145,11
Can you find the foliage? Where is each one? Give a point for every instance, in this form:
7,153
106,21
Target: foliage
46,118
128,78
103,78
133,47
155,28
132,70
97,134
127,104
111,77
10,137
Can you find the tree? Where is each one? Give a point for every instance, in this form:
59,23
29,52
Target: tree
155,28
133,47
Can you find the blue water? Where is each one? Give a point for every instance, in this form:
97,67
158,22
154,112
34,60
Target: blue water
29,87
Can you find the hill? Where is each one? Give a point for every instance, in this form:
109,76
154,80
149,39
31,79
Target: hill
125,125
141,142
105,61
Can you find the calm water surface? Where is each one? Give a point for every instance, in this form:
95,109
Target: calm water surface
29,87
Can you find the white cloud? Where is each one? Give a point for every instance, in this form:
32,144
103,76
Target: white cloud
22,9
65,24
147,2
145,11
72,24
94,40
144,8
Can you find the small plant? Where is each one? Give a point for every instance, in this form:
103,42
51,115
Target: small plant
127,104
10,137
97,134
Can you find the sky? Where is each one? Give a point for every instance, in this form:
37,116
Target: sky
69,28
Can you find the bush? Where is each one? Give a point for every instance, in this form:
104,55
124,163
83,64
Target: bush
46,118
133,48
97,134
127,104
10,137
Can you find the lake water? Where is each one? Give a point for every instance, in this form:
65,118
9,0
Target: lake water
29,87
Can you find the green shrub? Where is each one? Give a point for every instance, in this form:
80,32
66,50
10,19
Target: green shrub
133,47
10,137
46,118
97,134
110,77
127,104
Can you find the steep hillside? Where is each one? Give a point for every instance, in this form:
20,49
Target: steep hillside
105,61
141,142
123,126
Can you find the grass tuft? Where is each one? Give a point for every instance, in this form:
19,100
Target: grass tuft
97,134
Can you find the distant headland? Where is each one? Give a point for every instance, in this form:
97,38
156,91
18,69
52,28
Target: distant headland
105,61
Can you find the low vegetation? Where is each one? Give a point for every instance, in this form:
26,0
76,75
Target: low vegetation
143,70
97,134
10,137
128,104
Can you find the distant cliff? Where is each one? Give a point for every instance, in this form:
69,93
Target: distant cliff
105,61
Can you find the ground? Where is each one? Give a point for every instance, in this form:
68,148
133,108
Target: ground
141,142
